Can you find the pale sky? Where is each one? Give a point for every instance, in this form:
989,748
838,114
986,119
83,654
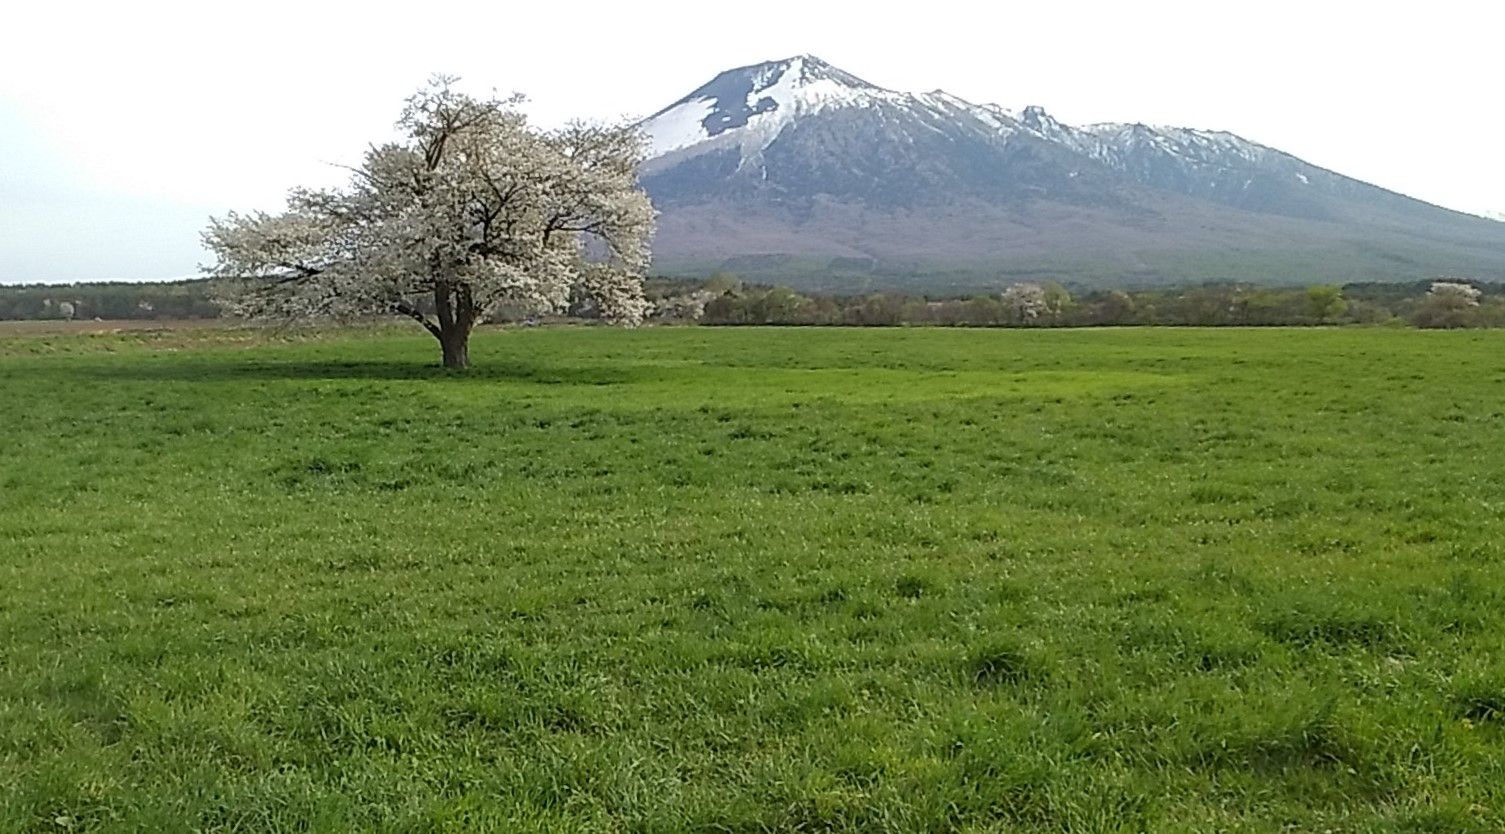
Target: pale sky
123,126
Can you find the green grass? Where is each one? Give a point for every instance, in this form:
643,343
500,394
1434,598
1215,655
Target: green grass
754,580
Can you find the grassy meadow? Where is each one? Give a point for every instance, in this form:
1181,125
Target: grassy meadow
715,580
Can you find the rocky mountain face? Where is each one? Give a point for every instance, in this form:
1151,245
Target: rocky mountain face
799,172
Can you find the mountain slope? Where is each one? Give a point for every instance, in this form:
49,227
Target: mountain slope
798,171
801,128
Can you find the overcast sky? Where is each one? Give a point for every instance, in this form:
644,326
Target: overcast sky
123,126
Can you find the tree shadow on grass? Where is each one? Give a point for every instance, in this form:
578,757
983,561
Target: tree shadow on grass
179,369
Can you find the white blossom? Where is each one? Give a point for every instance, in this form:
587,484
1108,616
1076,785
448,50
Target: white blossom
1024,303
472,211
1457,292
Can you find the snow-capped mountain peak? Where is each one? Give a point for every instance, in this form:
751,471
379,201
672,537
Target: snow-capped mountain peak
1036,119
1035,116
808,69
762,97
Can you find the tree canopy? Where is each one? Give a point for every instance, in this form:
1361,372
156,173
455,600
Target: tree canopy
472,209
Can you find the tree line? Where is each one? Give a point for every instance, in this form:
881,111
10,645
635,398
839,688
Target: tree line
725,300
1443,303
113,301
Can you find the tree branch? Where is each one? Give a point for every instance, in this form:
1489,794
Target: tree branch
402,308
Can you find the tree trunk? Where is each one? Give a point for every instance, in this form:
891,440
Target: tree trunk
456,346
456,318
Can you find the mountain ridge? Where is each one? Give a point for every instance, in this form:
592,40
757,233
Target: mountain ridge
800,159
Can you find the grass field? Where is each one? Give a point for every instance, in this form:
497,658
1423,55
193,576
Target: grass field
95,327
754,580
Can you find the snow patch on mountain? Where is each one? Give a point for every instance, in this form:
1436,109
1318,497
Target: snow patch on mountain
679,127
757,102
992,117
1036,119
802,87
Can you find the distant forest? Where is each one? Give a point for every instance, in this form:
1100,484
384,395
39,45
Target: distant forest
724,299
111,301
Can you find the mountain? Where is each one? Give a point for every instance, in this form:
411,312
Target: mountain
803,173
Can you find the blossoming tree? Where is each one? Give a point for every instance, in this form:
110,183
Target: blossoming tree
471,210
